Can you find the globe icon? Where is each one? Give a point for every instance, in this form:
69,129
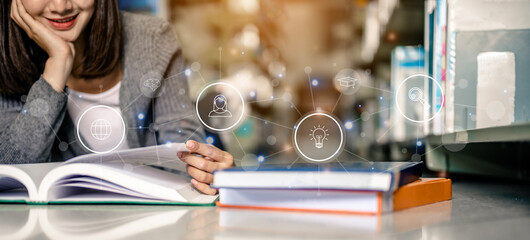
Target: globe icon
100,129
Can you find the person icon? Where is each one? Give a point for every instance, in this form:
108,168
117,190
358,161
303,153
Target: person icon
220,107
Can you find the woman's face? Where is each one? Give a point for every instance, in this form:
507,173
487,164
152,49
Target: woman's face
66,18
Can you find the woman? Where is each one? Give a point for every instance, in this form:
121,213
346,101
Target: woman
59,57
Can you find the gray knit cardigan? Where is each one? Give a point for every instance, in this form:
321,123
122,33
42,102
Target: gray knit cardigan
32,128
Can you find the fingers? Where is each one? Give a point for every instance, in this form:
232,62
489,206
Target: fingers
201,167
15,15
72,48
205,188
200,163
209,151
199,175
24,15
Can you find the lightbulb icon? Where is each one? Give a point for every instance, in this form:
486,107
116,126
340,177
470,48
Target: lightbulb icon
319,134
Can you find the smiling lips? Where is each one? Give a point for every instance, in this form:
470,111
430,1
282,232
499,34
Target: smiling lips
62,23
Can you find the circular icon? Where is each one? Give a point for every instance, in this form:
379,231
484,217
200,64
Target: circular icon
220,106
318,137
416,99
39,107
151,85
347,81
104,125
250,162
455,142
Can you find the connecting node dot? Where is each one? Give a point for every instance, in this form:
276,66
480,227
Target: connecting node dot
308,69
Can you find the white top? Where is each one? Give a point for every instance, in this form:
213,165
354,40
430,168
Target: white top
102,128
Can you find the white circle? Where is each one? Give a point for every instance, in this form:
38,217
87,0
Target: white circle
182,91
152,85
449,141
39,107
128,167
275,82
365,116
195,66
240,116
271,140
348,81
79,124
308,69
401,112
462,83
339,149
495,110
250,162
287,97
63,146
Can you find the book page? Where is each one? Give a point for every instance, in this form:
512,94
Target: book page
111,182
160,155
21,181
37,171
9,183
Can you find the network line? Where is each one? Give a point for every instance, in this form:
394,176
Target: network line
311,89
238,142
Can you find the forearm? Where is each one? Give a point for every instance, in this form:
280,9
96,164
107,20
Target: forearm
57,71
174,111
28,130
179,128
174,116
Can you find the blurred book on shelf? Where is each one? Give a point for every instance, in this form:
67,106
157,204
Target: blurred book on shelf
406,61
159,8
487,80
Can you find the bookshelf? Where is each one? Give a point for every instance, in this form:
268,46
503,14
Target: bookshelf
457,143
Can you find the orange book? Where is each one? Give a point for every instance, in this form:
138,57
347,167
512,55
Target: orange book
421,192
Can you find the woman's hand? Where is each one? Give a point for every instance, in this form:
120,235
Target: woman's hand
61,53
200,168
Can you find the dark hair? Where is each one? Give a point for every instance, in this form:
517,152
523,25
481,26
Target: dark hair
22,60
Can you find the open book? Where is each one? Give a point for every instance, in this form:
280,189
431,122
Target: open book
151,175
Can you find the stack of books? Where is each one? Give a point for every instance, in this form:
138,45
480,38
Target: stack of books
360,188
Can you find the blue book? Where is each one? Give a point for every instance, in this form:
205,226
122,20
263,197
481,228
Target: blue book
360,176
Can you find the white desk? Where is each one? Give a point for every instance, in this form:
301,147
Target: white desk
479,210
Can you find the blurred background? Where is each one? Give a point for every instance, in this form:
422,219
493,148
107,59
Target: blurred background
285,54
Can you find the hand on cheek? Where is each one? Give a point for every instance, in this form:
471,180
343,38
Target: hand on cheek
201,161
61,53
